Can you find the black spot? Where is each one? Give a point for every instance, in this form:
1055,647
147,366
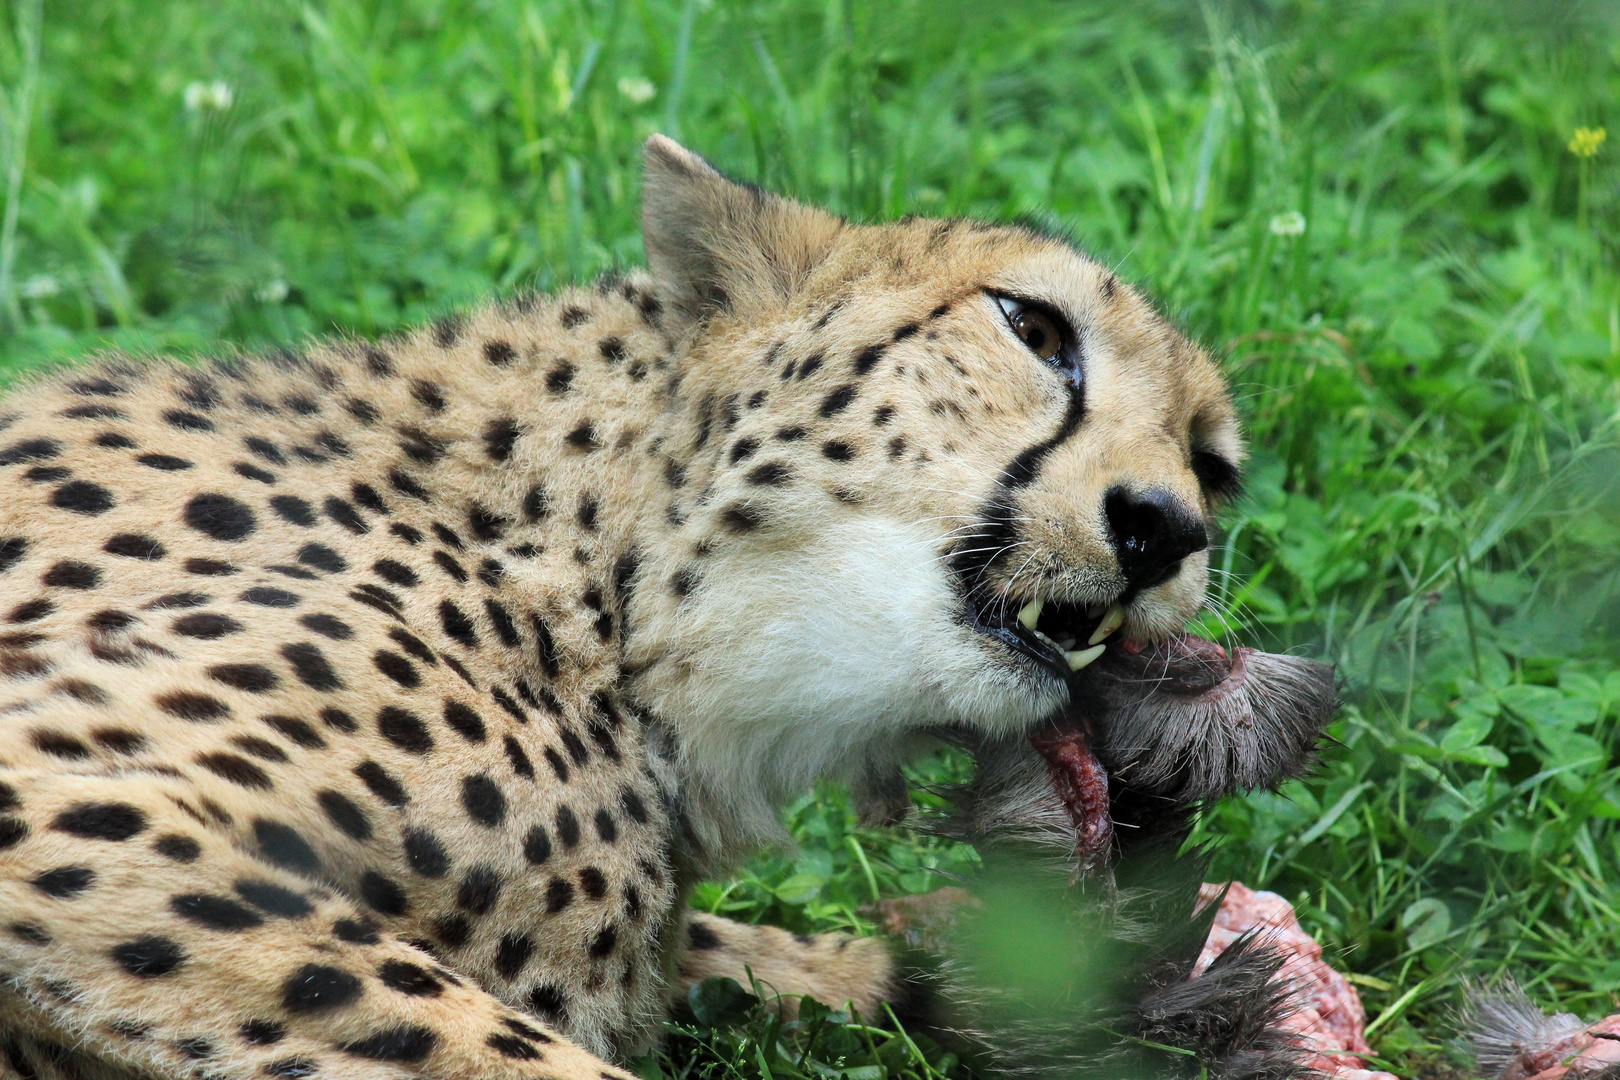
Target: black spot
210,568
520,761
883,415
464,722
311,666
739,518
343,812
30,450
42,474
403,728
383,894
262,1032
868,359
119,741
317,988
59,744
430,395
362,410
558,765
378,362
537,845
452,930
499,438
501,619
549,1002
683,581
114,441
839,400
64,882
700,936
338,720
511,1046
410,979
129,545
479,891
149,956
101,821
171,601
72,574
583,437
30,611
177,847
345,515
283,846
484,524
425,853
253,472
327,626
447,331
293,509
674,473
381,783
292,1068
403,484
837,450
199,708
449,565
219,516
567,827
593,883
13,548
483,800
559,378
511,707
215,912
263,749
238,770
499,353
361,931
904,332
772,473
297,730
897,447
164,462
253,678
634,806
606,828
404,1043
559,894
32,933
397,668
82,497
603,942
367,496
756,399
273,899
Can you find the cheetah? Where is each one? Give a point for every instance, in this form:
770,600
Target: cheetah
368,708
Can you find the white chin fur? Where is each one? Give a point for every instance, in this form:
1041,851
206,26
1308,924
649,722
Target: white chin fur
819,661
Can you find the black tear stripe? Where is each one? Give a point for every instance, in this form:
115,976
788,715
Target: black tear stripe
996,534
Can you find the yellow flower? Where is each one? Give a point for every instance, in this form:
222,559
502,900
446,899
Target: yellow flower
1586,141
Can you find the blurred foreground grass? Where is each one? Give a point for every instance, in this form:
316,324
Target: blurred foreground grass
1373,210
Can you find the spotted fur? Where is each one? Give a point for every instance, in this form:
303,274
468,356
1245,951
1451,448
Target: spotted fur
366,708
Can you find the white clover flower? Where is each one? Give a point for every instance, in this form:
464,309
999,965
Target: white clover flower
40,287
271,292
636,90
1288,223
214,95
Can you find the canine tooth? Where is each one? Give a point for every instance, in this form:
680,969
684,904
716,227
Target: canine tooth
1080,659
1030,614
1111,622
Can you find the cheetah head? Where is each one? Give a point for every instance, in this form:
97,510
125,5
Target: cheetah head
945,468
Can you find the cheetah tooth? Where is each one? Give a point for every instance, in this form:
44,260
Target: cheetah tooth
1111,622
1083,657
1030,614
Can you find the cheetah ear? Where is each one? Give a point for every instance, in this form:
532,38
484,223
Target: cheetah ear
718,246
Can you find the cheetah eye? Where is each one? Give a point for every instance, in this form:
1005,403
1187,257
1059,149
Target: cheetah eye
1034,327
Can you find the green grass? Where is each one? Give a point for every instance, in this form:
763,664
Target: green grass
1429,370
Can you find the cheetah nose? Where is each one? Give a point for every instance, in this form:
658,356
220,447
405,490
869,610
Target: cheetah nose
1152,532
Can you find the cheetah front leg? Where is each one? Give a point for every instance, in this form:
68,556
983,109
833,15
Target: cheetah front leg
835,969
154,944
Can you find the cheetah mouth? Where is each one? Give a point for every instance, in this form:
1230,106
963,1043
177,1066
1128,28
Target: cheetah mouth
1059,637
